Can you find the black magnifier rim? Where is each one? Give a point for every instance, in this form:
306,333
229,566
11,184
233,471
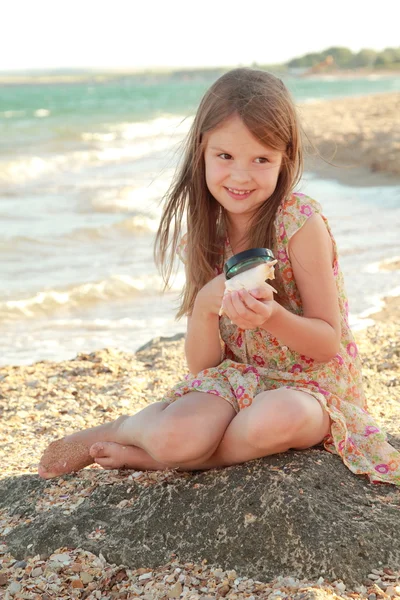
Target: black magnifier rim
264,253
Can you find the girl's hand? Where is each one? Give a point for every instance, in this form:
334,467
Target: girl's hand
249,310
209,298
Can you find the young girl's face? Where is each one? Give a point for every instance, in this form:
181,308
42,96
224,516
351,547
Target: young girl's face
241,173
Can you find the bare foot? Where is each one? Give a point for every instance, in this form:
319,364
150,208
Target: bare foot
64,456
111,455
71,453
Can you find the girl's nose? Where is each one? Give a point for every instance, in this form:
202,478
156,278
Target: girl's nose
240,175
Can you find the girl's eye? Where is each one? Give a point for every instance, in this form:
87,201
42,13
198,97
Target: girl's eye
260,160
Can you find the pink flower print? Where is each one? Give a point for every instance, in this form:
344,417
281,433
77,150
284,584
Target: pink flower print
196,382
382,468
352,349
296,369
239,341
259,360
319,388
336,268
339,359
215,392
350,444
346,307
251,370
239,391
305,209
370,429
314,383
282,256
282,231
307,359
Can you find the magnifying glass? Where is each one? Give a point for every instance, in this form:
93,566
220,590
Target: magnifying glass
243,261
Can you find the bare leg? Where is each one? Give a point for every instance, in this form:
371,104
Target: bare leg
71,453
162,435
281,429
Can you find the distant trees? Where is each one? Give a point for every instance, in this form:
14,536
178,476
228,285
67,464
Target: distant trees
344,58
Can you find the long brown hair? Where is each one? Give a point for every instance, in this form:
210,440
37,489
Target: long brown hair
265,106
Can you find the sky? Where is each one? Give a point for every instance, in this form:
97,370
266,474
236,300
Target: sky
145,34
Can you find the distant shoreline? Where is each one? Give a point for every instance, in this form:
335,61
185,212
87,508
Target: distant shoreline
95,77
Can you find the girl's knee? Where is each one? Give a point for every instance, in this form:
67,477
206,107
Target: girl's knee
279,415
173,443
190,429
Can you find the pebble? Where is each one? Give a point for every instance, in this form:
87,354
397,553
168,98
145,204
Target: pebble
14,588
175,591
145,576
20,564
86,577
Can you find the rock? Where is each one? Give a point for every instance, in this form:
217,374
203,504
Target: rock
340,526
159,340
14,588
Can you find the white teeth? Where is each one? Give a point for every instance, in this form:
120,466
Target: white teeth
240,192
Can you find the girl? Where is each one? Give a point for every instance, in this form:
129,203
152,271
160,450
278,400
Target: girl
274,372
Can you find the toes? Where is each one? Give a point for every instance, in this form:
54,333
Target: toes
97,450
45,474
106,463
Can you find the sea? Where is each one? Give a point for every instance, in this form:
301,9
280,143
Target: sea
84,167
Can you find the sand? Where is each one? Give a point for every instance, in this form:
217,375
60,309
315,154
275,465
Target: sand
359,136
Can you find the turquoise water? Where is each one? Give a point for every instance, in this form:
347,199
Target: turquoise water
83,168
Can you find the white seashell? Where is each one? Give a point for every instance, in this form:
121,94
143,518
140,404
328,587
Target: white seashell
250,279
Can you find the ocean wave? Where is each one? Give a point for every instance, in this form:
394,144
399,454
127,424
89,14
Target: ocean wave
176,126
42,112
124,142
130,198
138,224
9,114
47,302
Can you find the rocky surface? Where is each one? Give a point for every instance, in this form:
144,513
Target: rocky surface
297,525
302,513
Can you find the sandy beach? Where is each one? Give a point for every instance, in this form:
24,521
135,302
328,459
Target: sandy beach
360,137
46,400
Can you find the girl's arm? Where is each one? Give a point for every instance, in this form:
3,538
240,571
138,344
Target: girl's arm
317,333
203,347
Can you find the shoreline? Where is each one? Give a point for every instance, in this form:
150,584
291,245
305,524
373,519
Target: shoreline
359,136
365,137
95,75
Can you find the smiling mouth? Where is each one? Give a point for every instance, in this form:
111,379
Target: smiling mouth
235,193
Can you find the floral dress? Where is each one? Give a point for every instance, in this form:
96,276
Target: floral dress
254,361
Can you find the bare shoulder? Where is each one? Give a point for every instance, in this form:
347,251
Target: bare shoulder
312,241
311,257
